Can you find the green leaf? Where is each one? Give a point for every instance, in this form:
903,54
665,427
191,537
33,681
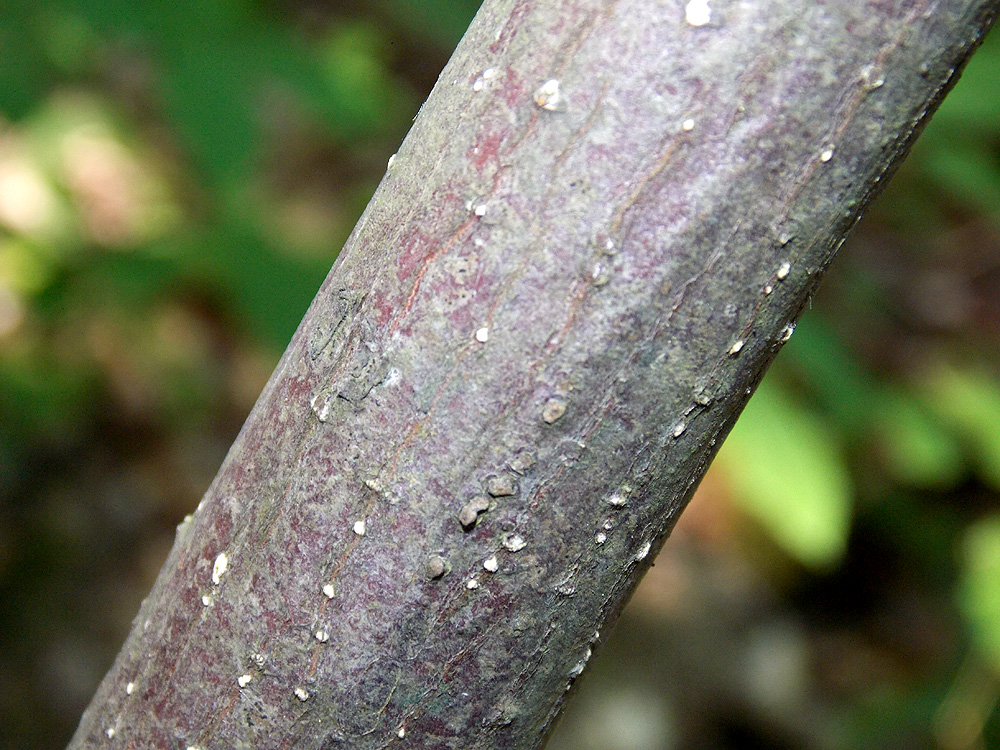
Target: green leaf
784,467
359,84
980,586
440,21
961,169
25,74
969,400
838,383
917,447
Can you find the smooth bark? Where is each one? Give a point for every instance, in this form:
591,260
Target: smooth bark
595,238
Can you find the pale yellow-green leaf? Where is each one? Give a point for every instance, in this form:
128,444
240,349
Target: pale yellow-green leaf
969,400
784,467
917,447
979,592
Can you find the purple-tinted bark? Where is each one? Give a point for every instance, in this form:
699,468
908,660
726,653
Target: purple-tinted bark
577,267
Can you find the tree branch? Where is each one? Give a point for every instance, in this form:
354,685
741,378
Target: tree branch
595,238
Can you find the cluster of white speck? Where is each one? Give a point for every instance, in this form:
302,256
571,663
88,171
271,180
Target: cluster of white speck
219,568
320,406
548,96
243,680
553,410
600,538
514,543
870,78
617,499
322,636
698,12
480,82
301,693
577,670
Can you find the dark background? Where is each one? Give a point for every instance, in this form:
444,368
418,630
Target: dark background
175,181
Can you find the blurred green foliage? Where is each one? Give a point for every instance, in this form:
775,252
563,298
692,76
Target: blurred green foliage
788,474
981,584
175,181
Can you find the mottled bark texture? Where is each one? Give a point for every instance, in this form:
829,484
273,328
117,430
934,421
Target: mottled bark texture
576,269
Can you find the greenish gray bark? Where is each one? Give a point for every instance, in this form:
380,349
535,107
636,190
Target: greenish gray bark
597,235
